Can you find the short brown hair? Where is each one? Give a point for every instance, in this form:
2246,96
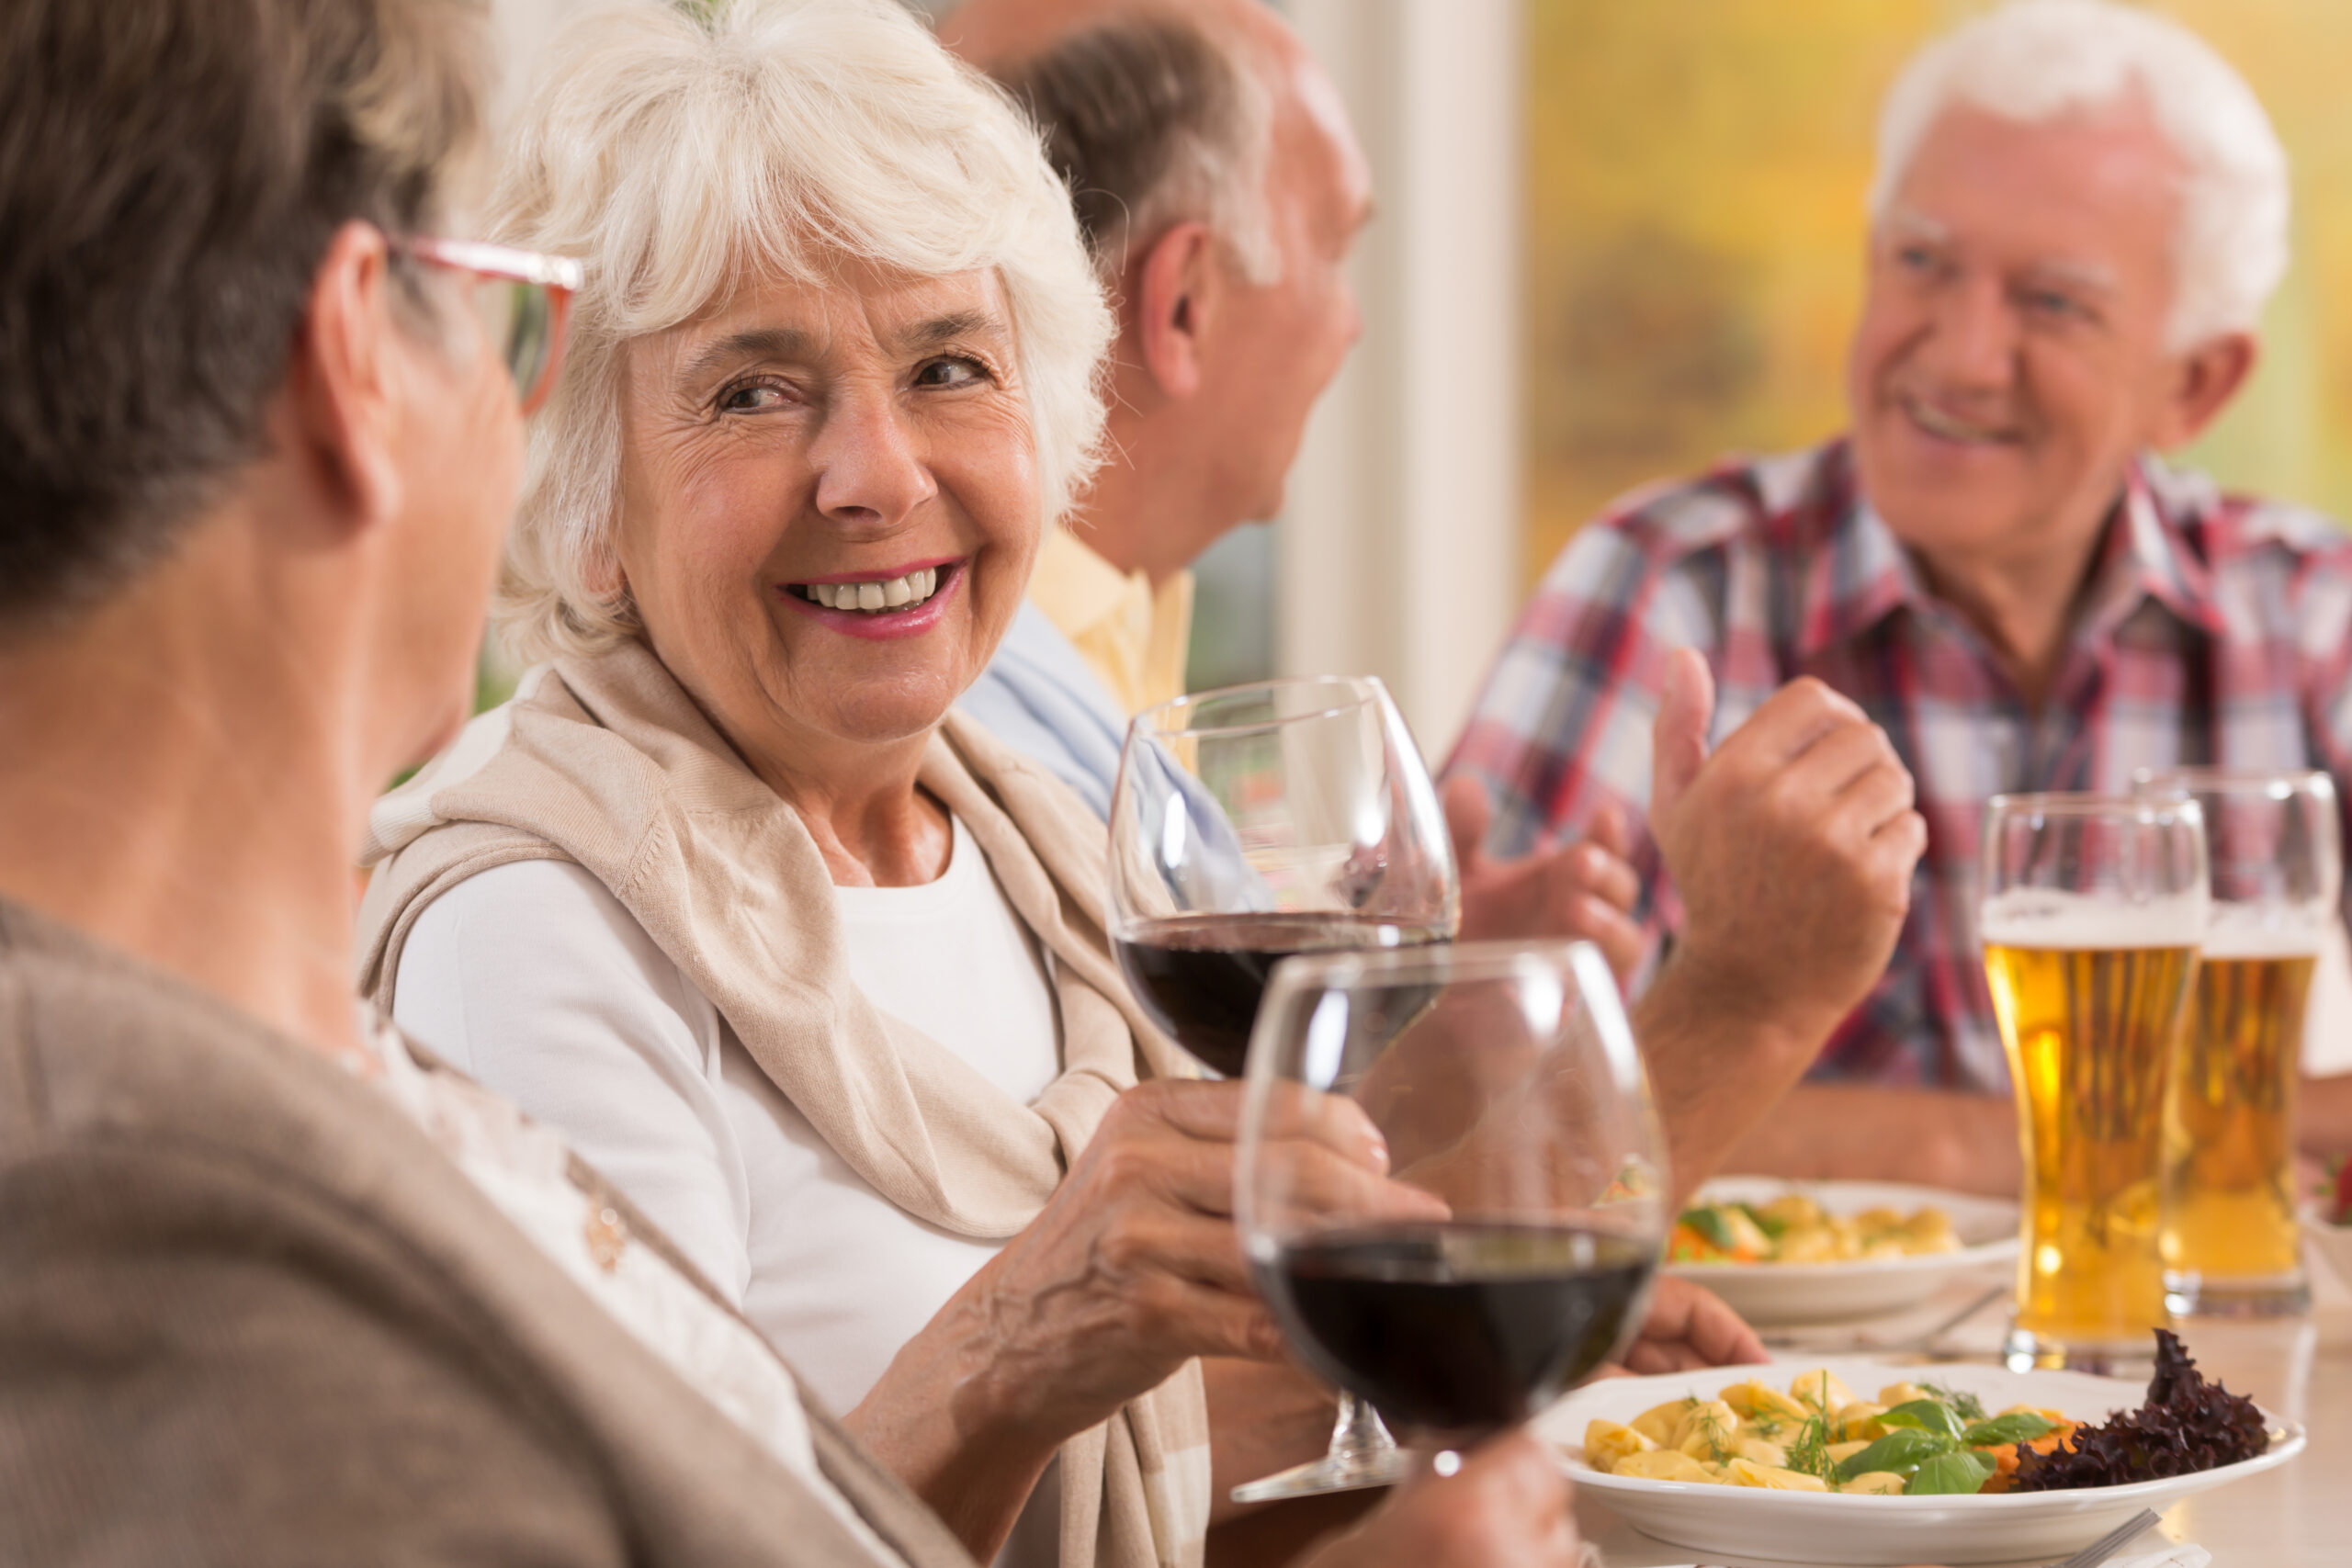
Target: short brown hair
1150,122
171,175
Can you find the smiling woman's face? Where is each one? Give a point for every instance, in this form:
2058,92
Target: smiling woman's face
829,507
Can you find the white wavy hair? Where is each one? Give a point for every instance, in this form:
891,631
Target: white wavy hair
678,151
2037,59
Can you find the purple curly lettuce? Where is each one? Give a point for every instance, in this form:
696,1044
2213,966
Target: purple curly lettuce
2186,1425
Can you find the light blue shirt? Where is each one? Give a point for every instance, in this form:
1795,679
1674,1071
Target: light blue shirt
1038,696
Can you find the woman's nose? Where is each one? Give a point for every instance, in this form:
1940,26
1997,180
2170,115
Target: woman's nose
871,471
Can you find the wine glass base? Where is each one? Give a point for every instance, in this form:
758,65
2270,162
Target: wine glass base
1332,1472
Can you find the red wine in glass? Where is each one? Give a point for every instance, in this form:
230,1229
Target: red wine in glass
1456,1331
1201,977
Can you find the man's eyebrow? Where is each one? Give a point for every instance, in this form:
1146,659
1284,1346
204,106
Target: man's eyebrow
755,343
2090,275
949,327
1918,225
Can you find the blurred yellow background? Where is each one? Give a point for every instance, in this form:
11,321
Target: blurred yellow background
1694,225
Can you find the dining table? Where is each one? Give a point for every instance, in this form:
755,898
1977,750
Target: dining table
2298,1368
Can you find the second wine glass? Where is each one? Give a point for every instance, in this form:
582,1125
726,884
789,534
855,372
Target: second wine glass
1511,1250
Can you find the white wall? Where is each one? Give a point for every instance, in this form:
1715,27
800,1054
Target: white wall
1398,547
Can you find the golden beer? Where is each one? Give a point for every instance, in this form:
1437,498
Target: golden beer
2090,1032
2229,1123
2276,864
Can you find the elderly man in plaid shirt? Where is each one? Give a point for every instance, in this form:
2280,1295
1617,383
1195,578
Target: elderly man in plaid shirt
2079,212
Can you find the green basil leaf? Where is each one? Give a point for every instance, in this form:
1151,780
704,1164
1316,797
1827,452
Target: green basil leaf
1709,1222
1927,1415
1902,1451
1955,1473
2019,1426
1968,1406
1772,1227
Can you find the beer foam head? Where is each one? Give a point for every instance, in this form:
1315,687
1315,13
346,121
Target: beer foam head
2033,916
2256,930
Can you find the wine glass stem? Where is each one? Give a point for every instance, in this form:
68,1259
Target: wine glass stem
1358,1433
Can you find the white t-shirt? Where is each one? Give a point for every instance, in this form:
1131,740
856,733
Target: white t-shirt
533,978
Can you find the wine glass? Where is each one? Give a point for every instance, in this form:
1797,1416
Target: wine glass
1511,1250
1248,823
1252,823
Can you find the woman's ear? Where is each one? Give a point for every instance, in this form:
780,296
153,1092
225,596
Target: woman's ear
1176,287
344,378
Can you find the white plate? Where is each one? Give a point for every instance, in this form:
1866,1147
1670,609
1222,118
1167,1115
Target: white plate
1766,1294
1828,1528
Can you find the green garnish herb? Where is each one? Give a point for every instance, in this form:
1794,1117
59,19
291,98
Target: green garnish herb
1709,1222
1902,1451
1809,1455
1772,1227
2018,1427
1967,1406
1956,1473
1925,1415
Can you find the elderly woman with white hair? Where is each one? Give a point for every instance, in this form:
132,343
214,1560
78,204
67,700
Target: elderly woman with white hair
808,966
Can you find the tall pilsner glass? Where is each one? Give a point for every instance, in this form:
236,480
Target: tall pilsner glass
2093,908
2229,1240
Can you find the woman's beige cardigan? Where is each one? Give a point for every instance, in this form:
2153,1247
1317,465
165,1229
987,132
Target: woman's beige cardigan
606,762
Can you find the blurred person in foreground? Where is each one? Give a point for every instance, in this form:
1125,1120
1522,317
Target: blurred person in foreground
2078,213
1221,189
276,1287
810,964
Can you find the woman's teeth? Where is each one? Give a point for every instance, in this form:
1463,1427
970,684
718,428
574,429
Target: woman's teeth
890,593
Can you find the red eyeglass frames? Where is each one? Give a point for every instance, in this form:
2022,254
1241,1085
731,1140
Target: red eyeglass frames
524,299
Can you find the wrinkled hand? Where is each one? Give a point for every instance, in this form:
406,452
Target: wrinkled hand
1586,889
1689,1327
1135,1268
1507,1508
1791,847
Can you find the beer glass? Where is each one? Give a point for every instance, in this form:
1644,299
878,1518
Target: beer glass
2093,909
2229,1238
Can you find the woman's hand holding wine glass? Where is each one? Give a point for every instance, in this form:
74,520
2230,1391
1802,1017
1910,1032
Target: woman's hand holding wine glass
1134,1267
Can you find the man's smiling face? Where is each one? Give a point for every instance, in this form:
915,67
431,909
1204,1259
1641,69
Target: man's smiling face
2012,356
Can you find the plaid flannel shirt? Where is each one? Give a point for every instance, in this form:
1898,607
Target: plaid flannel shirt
2214,630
